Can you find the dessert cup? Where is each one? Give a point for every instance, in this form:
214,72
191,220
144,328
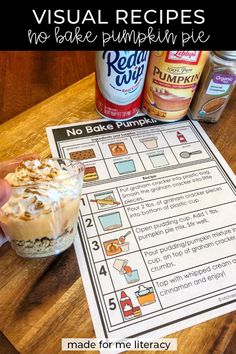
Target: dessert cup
40,218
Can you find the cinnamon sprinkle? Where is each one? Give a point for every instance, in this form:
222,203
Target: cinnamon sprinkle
39,205
34,191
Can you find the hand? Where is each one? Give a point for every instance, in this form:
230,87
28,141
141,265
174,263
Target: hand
5,189
5,193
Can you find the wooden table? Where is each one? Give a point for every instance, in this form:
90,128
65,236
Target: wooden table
28,77
42,301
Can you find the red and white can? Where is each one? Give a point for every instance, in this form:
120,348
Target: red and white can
119,82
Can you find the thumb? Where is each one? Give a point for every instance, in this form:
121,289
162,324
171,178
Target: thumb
5,191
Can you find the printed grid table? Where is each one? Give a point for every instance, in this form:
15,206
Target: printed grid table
145,209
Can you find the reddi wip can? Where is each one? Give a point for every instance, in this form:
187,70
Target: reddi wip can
119,82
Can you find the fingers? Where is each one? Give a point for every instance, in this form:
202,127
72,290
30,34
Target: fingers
10,165
3,239
5,191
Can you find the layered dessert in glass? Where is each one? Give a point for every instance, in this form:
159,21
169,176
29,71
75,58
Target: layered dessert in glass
40,218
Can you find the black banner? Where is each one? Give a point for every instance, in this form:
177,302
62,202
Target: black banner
87,129
106,126
80,26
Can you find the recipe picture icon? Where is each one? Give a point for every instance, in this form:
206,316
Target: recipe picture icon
181,137
187,154
83,154
145,295
105,200
90,174
117,245
150,143
110,221
158,159
118,149
131,275
129,311
126,166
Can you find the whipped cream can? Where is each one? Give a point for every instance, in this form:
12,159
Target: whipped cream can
171,81
120,78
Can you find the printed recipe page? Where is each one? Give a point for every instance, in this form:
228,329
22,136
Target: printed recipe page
157,224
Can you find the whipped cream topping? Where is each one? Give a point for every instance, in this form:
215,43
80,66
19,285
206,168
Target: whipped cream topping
39,188
142,290
33,171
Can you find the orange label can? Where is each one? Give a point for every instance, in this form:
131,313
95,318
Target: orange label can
171,81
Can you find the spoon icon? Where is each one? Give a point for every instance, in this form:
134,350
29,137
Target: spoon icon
122,238
187,154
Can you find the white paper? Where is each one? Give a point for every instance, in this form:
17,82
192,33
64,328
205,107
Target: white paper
170,191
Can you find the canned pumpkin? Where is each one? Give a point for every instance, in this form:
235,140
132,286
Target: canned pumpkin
171,81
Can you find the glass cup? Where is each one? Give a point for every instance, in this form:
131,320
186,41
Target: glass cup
40,218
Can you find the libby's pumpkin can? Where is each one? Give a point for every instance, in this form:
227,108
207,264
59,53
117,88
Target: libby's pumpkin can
171,81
